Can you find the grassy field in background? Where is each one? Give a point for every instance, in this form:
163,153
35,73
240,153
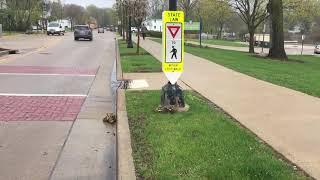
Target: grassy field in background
220,42
202,143
10,33
132,62
300,73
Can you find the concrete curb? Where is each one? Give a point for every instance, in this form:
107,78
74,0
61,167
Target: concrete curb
125,166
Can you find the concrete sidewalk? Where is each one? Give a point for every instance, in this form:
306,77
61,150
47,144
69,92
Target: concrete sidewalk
287,120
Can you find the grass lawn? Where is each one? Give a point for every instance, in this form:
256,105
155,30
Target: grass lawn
131,62
200,144
10,33
220,42
301,73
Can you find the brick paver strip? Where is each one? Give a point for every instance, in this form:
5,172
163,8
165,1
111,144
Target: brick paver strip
47,70
43,108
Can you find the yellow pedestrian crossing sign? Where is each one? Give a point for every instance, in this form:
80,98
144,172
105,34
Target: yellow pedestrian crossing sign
173,44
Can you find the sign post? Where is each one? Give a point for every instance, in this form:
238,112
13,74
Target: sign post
302,42
173,45
173,57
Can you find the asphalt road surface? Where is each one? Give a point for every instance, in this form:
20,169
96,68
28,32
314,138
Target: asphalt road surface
42,92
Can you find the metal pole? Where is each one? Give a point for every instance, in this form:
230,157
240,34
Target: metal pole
264,31
302,38
172,93
201,32
172,5
302,48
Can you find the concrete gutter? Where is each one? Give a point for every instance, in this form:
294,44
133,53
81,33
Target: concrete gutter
125,169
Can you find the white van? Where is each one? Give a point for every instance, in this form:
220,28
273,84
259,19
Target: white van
55,28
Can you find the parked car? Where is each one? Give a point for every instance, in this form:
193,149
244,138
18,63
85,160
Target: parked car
55,28
134,29
100,30
317,49
82,31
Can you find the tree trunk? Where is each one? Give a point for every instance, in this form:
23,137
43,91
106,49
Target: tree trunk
251,41
220,30
277,50
138,42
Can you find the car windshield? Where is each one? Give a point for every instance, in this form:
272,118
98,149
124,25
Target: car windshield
53,25
81,28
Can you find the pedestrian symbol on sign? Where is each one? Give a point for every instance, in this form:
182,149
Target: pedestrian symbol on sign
174,52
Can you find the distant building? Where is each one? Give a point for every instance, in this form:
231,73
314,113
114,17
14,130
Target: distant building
153,25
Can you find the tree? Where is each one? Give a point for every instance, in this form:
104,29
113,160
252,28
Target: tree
188,7
56,10
301,13
215,12
253,13
76,14
139,13
19,15
156,8
277,51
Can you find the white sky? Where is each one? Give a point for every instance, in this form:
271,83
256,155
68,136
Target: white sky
99,3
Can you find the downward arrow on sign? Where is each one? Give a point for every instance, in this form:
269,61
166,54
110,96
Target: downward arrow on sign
174,30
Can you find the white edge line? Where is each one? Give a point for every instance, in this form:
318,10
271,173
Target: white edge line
42,95
33,74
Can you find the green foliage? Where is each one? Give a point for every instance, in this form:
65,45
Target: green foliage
19,15
77,14
301,13
215,13
202,143
56,11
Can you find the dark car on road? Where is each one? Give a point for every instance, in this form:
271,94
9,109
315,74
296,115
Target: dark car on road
82,31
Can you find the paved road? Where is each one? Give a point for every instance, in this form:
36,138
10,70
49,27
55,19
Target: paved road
53,97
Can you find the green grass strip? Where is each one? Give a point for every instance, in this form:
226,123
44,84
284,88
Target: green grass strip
202,143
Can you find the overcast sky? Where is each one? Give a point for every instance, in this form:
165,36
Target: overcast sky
99,3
